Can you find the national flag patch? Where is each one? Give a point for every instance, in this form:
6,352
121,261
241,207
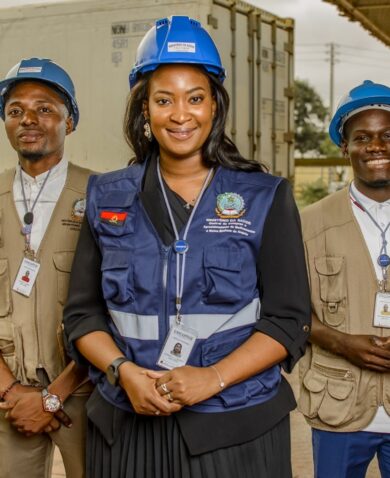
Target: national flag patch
113,217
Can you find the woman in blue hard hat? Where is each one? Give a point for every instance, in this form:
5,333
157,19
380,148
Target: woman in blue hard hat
180,248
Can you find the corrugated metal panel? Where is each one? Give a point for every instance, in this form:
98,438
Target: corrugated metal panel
96,42
374,15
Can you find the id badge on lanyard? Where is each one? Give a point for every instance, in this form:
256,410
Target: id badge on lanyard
29,267
178,347
180,339
26,276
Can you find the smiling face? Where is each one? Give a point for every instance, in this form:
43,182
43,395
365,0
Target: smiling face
36,122
180,108
367,144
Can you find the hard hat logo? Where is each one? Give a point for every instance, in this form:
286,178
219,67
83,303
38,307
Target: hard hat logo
45,70
181,47
178,39
368,95
30,69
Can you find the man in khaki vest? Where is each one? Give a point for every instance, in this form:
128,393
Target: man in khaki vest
345,375
42,202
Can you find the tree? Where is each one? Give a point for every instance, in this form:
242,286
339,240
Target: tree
312,192
310,116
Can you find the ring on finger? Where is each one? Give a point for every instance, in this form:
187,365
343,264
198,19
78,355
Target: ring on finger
157,412
169,397
164,388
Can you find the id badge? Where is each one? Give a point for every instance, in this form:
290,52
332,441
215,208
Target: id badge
25,279
382,310
177,348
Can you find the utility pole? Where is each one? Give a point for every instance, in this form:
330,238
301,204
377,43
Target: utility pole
331,84
332,52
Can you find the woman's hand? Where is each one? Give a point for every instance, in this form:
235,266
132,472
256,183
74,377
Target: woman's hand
186,385
141,389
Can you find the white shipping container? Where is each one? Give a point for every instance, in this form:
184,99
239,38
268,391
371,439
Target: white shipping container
96,42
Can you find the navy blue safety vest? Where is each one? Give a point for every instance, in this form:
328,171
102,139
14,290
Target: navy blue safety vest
220,299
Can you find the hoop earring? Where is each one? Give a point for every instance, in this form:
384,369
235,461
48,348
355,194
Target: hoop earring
148,131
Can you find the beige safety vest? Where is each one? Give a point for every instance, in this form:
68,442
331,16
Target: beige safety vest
31,327
335,394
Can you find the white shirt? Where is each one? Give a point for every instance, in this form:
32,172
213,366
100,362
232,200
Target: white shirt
47,200
380,211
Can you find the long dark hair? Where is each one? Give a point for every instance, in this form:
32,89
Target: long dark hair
218,149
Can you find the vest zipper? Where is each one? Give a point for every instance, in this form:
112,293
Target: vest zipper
165,251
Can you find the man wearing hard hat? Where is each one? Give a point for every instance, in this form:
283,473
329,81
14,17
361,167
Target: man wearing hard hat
345,389
42,204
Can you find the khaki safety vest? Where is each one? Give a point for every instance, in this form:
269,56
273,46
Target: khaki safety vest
335,394
31,327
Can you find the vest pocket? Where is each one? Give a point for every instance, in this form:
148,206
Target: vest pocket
63,263
1,229
330,394
5,289
115,216
7,345
117,276
222,269
331,275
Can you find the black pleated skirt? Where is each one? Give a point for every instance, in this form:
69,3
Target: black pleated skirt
153,447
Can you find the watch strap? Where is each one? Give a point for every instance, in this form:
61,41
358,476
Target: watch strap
113,369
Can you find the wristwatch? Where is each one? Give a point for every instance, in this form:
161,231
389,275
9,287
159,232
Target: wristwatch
112,371
50,402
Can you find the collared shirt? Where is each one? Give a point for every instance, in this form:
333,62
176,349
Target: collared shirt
380,211
47,200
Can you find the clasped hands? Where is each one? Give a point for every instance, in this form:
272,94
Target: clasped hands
165,392
368,351
25,412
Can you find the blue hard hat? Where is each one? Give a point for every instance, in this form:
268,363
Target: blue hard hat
45,70
366,94
177,39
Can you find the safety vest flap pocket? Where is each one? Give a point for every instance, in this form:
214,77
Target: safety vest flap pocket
116,199
337,405
328,265
223,258
222,269
314,382
63,263
1,229
331,275
7,345
115,259
63,260
5,289
219,345
235,395
328,393
340,389
253,389
117,276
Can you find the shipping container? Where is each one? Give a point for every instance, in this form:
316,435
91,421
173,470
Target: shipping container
96,41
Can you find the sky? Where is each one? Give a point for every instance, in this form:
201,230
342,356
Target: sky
359,56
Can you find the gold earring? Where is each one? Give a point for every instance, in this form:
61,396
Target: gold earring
148,131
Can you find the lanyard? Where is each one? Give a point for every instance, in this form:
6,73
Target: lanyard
28,217
383,258
181,246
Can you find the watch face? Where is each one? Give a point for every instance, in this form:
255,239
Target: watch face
51,403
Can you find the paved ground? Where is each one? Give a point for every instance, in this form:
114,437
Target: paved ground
301,447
